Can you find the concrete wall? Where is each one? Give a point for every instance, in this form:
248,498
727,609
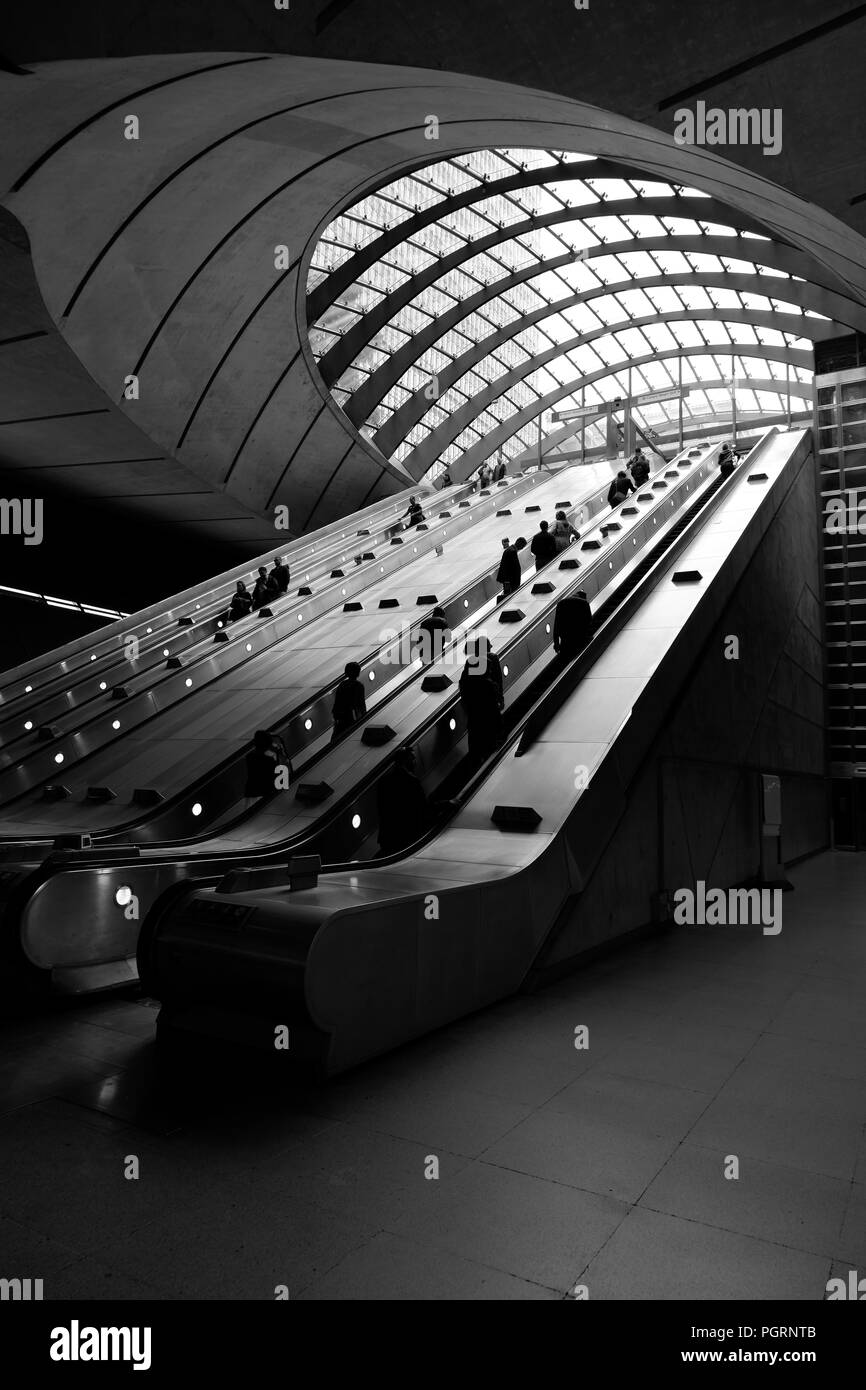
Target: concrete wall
693,811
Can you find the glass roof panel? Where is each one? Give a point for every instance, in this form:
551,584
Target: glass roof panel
525,286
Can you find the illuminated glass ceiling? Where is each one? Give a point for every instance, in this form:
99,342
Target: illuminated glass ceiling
449,309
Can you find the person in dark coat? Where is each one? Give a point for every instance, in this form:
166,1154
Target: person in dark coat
350,703
727,461
433,634
500,472
414,513
264,590
268,753
619,489
241,605
640,469
508,574
404,811
482,660
543,546
572,626
446,479
280,576
482,702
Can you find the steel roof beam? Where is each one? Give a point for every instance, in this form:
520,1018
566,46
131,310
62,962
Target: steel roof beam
419,461
389,437
459,419
360,406
334,362
351,270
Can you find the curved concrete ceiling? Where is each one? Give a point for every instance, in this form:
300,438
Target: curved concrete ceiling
159,256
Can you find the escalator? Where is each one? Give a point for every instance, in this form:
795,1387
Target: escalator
359,957
76,914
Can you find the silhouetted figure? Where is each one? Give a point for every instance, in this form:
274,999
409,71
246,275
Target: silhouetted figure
446,479
350,703
268,754
508,574
241,605
433,632
481,657
280,576
414,513
572,626
563,531
500,472
727,461
404,812
482,702
543,545
264,590
619,489
640,469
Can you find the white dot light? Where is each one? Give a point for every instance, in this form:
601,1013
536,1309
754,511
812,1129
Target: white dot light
356,822
28,724
505,670
27,689
249,646
188,682
149,631
93,658
123,896
165,651
197,808
547,628
102,685
58,757
452,724
300,617
115,723
308,723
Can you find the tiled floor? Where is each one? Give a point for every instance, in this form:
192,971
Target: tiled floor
557,1167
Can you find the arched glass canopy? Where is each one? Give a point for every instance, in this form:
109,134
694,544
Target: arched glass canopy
454,306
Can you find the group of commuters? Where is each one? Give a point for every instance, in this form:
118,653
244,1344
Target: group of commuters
550,541
266,588
629,479
494,474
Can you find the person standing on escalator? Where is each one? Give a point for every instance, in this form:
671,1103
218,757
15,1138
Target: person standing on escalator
572,626
508,574
404,811
482,699
543,546
267,758
727,461
350,703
